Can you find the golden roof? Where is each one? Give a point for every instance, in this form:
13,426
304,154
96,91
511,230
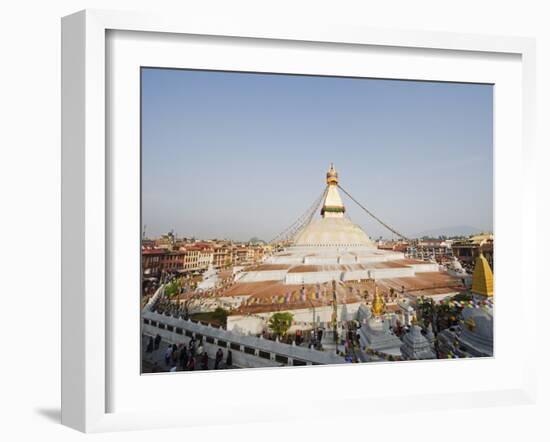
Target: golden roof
482,279
378,304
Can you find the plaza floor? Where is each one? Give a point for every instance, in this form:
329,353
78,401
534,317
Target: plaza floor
154,361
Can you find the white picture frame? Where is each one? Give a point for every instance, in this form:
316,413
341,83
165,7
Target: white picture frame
86,206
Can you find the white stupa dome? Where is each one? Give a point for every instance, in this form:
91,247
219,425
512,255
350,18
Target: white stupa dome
333,232
333,229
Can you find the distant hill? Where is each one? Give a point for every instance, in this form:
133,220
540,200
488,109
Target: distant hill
255,240
450,231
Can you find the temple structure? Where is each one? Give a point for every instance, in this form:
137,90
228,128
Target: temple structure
333,248
473,337
417,346
330,266
482,278
375,333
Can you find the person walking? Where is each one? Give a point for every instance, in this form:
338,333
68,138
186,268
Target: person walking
168,355
229,360
150,345
204,361
183,357
219,357
157,341
191,364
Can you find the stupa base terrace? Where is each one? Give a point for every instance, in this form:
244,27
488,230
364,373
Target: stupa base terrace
251,304
309,265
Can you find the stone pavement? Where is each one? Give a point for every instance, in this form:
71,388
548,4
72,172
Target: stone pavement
157,356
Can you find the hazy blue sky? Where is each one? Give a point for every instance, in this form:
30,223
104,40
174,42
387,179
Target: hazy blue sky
235,155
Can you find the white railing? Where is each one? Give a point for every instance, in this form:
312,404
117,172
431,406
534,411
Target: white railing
154,298
248,351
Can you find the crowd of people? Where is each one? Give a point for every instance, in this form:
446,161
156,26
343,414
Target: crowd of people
182,357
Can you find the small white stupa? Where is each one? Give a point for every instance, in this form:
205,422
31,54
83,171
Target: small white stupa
375,333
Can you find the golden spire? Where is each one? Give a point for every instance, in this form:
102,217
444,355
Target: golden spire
332,175
378,304
482,279
332,205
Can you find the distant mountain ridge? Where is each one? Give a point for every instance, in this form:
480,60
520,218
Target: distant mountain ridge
450,231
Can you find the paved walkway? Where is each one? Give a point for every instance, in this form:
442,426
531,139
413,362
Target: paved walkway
157,357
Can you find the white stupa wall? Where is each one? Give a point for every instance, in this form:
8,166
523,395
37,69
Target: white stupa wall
333,255
348,259
246,324
277,259
399,272
264,275
313,277
380,257
322,276
320,260
355,275
302,318
425,267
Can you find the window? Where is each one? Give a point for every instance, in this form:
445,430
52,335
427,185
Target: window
249,350
282,359
222,343
298,362
235,346
179,331
209,340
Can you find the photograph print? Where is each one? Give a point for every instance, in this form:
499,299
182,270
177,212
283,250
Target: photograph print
299,220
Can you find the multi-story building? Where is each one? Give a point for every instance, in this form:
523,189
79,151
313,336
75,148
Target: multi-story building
170,255
156,261
152,261
206,255
172,260
222,256
197,257
430,248
242,255
396,246
259,253
191,259
467,250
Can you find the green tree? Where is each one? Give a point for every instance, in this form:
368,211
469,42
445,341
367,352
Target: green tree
220,315
426,311
464,296
171,289
279,323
